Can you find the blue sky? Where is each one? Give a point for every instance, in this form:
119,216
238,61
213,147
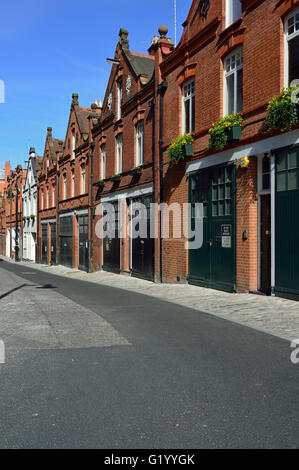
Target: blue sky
48,50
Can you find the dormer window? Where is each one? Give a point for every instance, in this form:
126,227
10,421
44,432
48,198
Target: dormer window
233,11
119,97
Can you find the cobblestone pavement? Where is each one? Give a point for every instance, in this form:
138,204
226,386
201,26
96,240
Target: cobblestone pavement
270,314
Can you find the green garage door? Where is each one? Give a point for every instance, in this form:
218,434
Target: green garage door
287,223
213,265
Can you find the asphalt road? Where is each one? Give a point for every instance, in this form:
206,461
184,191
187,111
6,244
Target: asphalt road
177,378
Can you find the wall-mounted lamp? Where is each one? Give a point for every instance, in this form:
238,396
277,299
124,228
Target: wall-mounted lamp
244,162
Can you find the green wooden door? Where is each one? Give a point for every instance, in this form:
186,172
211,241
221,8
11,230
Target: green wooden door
213,265
287,223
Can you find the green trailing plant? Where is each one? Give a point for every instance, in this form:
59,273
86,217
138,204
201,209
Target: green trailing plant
176,149
136,169
219,131
282,111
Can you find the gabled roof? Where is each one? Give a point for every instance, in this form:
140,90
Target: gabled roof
141,64
54,147
82,118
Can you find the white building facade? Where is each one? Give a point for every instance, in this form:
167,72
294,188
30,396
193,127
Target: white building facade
29,218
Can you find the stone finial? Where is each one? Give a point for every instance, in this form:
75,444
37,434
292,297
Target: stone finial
94,106
31,150
49,131
123,38
75,99
163,30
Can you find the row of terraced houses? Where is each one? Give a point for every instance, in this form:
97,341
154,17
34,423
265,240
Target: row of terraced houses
234,56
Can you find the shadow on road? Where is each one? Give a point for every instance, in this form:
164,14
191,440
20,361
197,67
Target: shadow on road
14,290
47,286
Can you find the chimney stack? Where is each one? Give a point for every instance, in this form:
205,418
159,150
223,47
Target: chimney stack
75,99
32,152
123,38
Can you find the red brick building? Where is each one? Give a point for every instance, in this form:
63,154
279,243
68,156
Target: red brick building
3,183
234,57
47,200
13,212
64,195
74,188
124,138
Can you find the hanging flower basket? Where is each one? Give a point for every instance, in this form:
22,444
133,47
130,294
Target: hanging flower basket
227,130
181,148
188,150
283,110
235,133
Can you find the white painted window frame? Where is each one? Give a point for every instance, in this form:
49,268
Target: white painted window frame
140,143
73,144
119,97
184,99
73,183
288,38
83,179
233,11
103,161
119,153
226,74
64,186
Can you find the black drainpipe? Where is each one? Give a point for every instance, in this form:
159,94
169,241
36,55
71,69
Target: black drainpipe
161,91
58,220
92,145
152,105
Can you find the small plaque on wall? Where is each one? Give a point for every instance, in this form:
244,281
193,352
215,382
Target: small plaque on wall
226,236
